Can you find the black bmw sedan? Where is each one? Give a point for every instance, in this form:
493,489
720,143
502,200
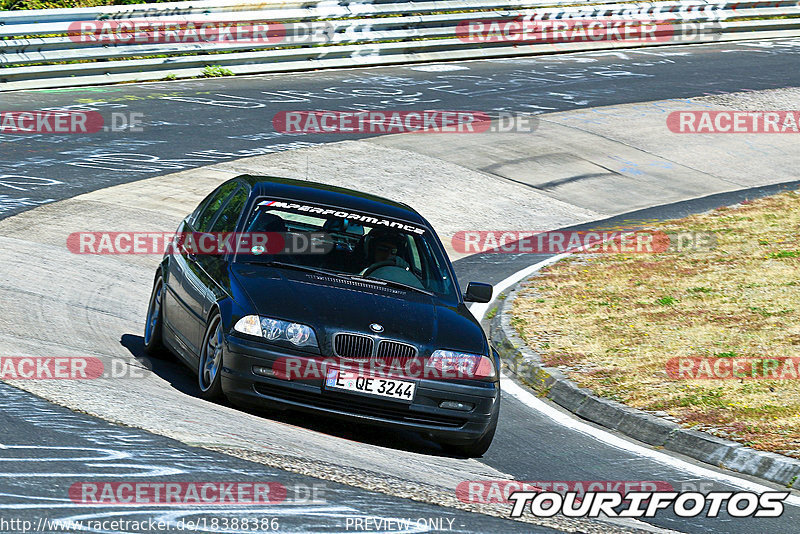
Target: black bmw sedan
300,295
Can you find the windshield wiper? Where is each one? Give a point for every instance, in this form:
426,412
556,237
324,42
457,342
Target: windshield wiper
343,276
393,284
284,265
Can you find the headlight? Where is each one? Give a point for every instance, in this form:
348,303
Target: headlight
272,328
451,364
249,324
297,334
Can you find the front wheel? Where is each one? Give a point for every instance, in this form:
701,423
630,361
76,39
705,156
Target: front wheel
153,328
477,448
208,371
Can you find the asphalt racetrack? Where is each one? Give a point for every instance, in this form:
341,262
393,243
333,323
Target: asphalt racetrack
46,448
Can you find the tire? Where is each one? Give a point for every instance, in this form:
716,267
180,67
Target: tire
477,448
209,377
153,327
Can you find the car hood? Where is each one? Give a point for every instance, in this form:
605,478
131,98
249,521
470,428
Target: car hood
331,304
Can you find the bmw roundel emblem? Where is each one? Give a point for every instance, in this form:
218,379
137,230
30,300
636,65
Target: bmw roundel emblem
375,327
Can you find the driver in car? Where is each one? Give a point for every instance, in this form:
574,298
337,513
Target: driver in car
383,246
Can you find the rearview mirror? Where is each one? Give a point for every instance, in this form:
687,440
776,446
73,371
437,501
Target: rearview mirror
478,292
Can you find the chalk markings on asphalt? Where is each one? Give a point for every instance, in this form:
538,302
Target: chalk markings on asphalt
110,454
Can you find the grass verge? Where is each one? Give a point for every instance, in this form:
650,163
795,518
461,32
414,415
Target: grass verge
612,322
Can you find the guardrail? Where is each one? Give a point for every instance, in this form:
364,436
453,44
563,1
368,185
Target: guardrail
67,47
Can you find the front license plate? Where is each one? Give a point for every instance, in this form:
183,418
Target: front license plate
370,385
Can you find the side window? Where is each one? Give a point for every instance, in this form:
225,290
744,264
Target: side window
416,264
202,223
198,210
229,215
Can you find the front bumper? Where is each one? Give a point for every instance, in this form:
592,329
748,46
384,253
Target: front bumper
423,414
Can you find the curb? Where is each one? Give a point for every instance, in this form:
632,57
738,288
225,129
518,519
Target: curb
526,365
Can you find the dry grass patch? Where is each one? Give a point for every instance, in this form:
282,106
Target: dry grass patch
613,321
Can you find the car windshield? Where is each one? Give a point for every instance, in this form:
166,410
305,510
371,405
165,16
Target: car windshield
347,243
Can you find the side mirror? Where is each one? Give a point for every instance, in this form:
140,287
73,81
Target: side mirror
478,292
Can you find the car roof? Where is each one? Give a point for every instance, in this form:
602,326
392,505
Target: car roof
340,197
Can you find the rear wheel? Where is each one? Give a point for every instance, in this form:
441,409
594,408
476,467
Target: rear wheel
153,328
208,371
